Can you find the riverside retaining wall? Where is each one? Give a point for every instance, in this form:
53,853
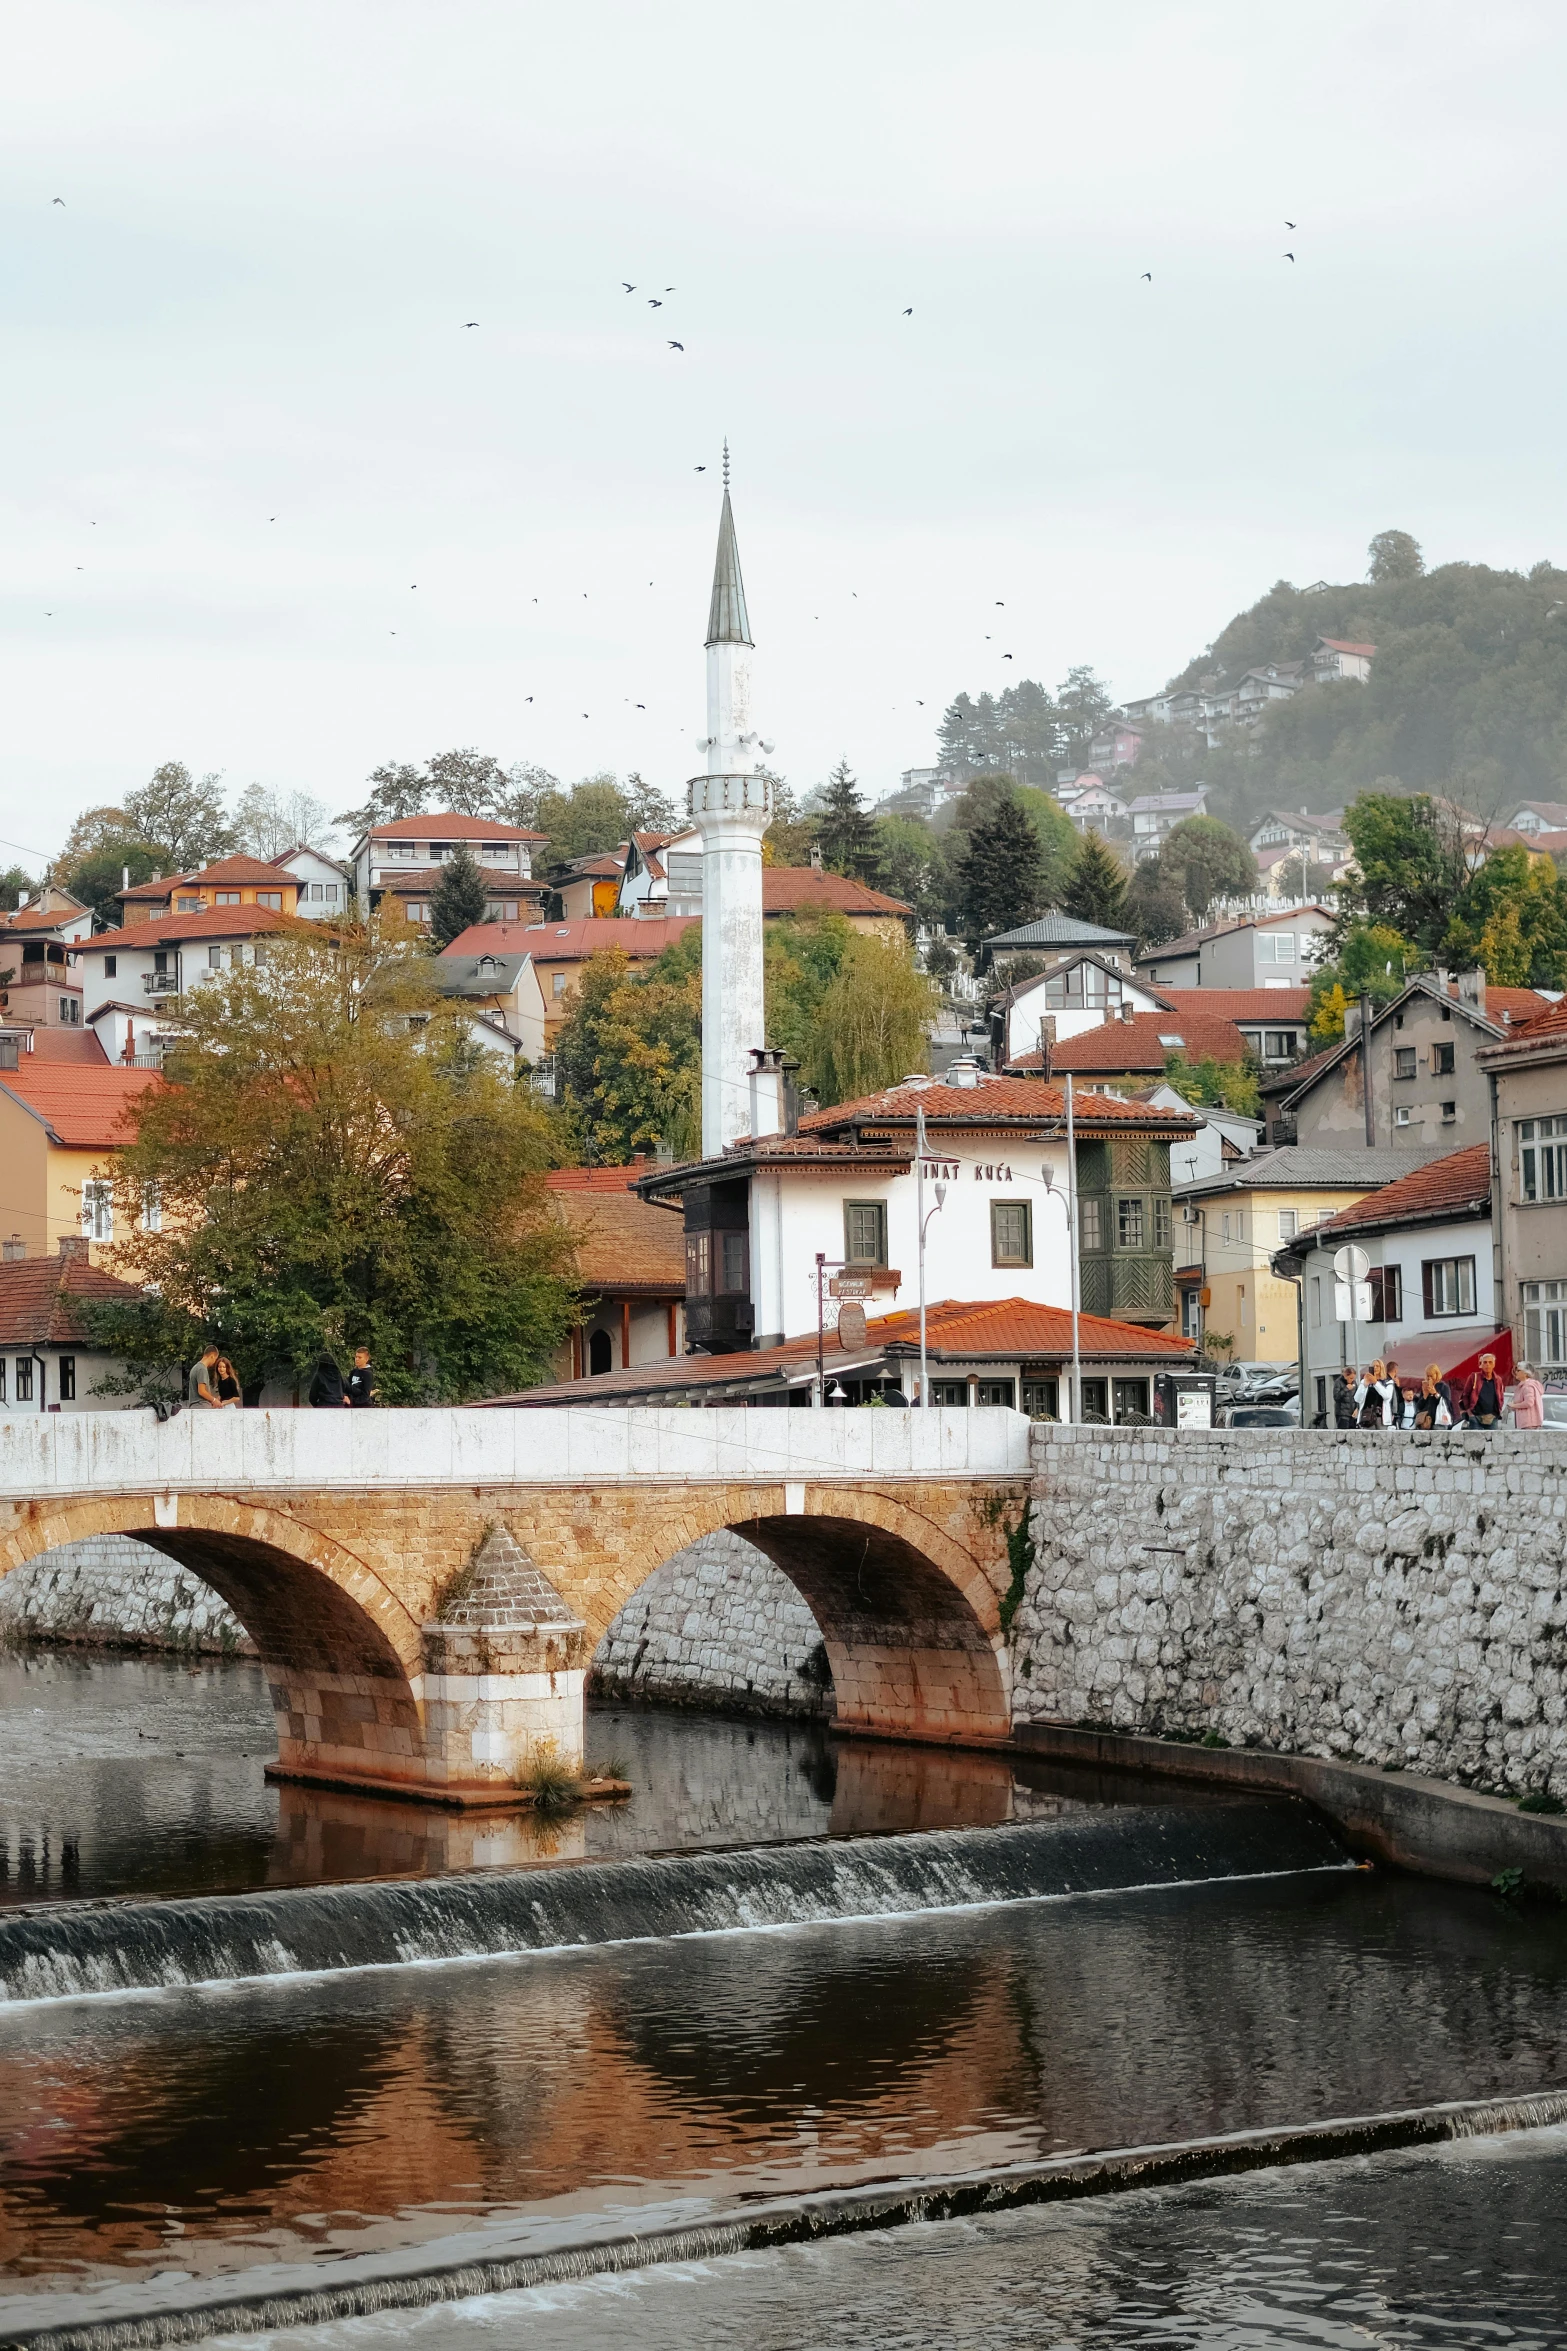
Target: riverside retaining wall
110,1592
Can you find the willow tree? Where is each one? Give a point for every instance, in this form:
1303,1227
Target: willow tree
873,1024
333,1163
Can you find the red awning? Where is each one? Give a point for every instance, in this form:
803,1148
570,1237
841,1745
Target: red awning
1456,1353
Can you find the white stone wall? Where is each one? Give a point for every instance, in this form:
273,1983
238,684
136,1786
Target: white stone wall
1389,1599
112,1593
716,1625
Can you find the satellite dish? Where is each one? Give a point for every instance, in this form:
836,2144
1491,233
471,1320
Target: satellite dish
1351,1264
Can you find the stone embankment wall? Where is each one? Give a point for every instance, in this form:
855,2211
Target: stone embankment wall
1396,1600
717,1625
112,1593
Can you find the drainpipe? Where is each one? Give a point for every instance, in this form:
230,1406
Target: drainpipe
1365,1072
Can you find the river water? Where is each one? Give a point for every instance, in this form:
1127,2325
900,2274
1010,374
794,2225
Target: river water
168,2148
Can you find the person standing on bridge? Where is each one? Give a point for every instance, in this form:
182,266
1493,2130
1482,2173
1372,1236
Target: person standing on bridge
202,1385
361,1380
326,1386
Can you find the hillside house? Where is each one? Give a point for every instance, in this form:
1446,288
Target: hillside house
403,860
1249,951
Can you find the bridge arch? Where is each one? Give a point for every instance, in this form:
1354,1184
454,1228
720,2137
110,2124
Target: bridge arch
340,1651
907,1602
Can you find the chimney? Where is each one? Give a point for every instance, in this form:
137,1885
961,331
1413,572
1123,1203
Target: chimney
125,877
1047,1043
1352,1020
72,1246
767,1091
1128,1011
1471,990
13,1251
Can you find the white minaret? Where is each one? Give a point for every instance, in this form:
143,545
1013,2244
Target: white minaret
731,807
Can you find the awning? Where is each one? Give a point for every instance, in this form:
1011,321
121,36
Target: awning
1456,1353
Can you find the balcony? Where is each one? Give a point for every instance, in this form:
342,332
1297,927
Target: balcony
160,983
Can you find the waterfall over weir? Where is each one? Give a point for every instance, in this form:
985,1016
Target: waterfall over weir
70,1953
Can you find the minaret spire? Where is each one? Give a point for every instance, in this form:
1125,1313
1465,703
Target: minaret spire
728,622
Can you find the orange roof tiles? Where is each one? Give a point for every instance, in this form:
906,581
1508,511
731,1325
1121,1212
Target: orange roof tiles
235,872
212,922
790,889
446,825
623,1244
1141,1042
992,1101
40,1299
1282,1004
1461,1180
81,1106
573,942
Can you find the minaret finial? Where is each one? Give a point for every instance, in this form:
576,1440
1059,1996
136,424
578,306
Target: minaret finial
726,461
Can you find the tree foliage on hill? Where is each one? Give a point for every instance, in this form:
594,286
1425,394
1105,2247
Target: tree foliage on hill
845,834
580,820
459,897
15,882
1423,879
1205,860
1003,873
873,1024
1097,891
1023,731
99,849
1230,1085
334,1167
270,822
183,814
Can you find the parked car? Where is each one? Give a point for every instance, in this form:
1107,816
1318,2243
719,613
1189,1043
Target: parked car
1280,1391
1258,1416
1238,1380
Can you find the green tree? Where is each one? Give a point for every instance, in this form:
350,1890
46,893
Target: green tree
1155,909
847,836
1083,703
1097,892
1394,555
1003,873
15,883
335,1168
629,1055
1228,1085
874,1023
791,836
459,897
802,959
1207,860
100,848
908,863
1371,959
182,814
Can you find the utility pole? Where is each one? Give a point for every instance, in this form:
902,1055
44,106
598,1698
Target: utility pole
1071,1236
1365,1072
919,1210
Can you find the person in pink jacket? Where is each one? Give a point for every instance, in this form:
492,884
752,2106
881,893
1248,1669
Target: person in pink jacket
1528,1400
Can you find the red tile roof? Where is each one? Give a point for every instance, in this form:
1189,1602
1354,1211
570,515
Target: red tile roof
40,1299
84,1107
235,872
1442,1187
1011,1329
1338,645
1283,1004
994,1101
37,918
1144,1041
79,1045
447,826
213,922
597,1179
163,888
1545,1025
1511,1007
573,942
623,1244
790,889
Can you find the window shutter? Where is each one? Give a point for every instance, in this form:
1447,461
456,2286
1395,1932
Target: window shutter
1426,1272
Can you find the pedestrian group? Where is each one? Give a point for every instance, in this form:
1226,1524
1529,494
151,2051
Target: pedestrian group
1377,1398
214,1383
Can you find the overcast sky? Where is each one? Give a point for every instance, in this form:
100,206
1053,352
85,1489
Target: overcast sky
269,507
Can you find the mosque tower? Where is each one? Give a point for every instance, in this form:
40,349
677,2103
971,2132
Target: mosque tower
731,807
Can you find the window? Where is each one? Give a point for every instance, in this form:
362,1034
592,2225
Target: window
1042,1399
1542,1158
151,1208
1387,1293
1096,1400
558,984
24,1379
1401,1115
98,1209
1161,1221
865,1232
1450,1114
70,1012
1289,1224
1545,1324
316,891
949,1391
499,853
1448,1285
111,965
1131,1400
1322,1403
1441,1061
699,1258
1090,1224
189,905
1011,1233
1403,1061
1002,1392
67,1379
214,959
272,898
331,892
258,955
230,898
1225,1226
1275,946
1191,1314
1278,1044
601,1354
1083,984
734,1264
402,850
1129,1223
1316,1302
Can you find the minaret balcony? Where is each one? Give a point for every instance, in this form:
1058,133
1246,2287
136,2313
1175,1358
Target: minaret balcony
731,795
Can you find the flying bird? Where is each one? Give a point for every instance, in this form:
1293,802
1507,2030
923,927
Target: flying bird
676,346
1006,656
1148,274
1001,603
642,706
654,303
469,322
630,288
918,704
669,289
270,518
59,199
1289,224
909,313
527,697
694,469
1289,257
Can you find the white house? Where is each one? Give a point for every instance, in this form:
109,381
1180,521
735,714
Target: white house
1080,992
324,887
47,1361
1432,1299
1333,657
133,978
404,859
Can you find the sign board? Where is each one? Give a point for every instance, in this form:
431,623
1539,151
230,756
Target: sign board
1351,1264
1351,1300
1194,1408
851,1285
851,1325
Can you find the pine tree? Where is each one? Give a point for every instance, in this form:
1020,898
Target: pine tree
1003,872
846,834
459,897
1097,890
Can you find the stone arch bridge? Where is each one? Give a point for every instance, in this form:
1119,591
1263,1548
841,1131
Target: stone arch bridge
426,1589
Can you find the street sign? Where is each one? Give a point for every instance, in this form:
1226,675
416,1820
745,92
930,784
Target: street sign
851,1325
1351,1264
850,1285
1351,1300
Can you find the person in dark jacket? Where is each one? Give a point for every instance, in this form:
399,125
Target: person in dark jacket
326,1386
1484,1396
361,1381
1434,1406
1344,1388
